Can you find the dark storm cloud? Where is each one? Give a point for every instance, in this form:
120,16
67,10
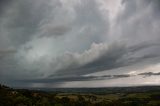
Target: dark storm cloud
57,40
143,45
138,21
4,4
63,79
6,52
20,21
115,56
107,60
73,78
147,74
23,22
57,30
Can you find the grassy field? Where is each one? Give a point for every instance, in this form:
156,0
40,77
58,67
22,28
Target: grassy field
127,97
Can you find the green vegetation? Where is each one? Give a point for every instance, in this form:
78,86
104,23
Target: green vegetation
12,97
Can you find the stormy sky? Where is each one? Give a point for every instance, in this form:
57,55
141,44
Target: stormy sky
79,43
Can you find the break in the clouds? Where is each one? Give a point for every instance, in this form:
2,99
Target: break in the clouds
70,43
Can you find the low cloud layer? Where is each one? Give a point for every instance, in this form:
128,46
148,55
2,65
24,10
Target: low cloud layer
63,41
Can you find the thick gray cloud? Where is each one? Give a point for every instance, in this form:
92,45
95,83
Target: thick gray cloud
73,78
85,78
54,40
149,74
